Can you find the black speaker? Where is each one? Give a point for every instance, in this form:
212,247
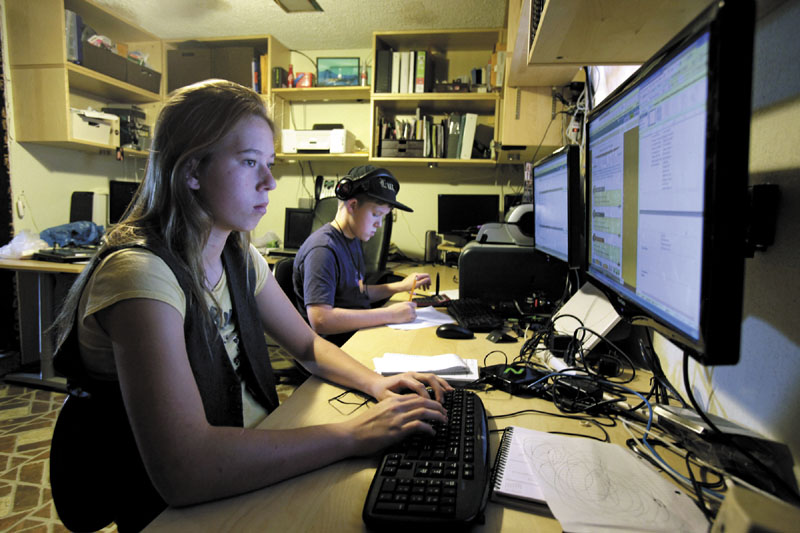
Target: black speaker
81,206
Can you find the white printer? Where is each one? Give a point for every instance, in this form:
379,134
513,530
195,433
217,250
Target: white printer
317,141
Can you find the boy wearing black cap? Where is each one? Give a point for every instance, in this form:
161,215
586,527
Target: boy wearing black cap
329,267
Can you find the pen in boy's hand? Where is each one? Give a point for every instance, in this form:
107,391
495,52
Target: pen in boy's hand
413,288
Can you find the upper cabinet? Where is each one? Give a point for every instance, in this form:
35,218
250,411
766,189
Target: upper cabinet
564,33
46,86
412,124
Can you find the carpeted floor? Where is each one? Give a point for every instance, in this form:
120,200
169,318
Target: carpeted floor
27,418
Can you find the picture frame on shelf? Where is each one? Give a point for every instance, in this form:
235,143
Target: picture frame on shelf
338,71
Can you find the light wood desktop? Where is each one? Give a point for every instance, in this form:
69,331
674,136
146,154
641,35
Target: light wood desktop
39,283
331,498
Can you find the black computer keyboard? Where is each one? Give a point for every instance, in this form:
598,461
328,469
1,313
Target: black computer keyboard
441,480
474,314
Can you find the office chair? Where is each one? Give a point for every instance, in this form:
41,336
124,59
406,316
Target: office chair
376,250
283,271
92,450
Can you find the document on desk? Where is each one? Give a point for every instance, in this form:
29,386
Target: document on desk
449,366
426,317
593,486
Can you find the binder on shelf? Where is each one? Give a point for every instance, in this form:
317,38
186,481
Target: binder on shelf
423,77
454,136
74,29
404,59
383,71
470,121
396,56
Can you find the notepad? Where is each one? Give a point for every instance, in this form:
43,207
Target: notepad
514,479
590,486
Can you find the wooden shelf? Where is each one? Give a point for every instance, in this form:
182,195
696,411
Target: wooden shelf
436,103
89,81
323,94
322,157
439,162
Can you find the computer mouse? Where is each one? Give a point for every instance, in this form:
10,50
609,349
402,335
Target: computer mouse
498,335
454,331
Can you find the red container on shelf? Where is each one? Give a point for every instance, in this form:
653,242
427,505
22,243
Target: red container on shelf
304,79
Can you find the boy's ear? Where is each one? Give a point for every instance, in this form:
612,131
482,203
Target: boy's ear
190,173
351,204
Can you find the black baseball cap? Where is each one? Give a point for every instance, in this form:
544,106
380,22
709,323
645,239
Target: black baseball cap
377,183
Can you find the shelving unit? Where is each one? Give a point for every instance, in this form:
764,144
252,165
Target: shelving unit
456,53
47,85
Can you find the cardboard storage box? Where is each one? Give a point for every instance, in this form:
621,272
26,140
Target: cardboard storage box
187,66
94,126
401,148
233,63
143,77
104,61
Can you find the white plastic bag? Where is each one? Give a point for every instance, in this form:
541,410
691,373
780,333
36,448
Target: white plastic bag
24,244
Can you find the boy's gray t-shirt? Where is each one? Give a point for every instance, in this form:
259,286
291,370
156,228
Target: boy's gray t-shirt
329,269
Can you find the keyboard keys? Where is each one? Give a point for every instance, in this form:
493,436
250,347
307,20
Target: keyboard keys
439,480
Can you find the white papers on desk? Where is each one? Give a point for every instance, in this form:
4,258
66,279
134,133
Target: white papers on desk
593,486
426,317
449,366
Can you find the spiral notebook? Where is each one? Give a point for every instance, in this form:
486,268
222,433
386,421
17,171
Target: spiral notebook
513,477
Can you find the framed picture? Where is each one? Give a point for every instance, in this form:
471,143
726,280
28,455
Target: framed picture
338,71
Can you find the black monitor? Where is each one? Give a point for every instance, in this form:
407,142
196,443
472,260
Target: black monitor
120,194
297,226
667,170
558,206
461,215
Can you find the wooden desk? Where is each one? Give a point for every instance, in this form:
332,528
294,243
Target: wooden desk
332,498
39,283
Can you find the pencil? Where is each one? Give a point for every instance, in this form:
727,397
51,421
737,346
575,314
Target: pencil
413,288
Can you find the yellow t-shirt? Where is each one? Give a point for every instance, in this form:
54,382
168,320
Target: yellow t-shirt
138,273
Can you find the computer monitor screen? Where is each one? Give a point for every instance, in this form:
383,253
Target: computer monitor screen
463,214
667,179
558,206
297,226
120,194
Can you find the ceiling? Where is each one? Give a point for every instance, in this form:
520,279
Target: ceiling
343,24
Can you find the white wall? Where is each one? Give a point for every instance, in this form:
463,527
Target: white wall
761,391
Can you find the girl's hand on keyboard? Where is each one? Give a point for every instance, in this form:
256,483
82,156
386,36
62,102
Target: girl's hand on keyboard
392,420
415,382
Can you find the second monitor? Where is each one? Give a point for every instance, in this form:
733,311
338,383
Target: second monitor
558,206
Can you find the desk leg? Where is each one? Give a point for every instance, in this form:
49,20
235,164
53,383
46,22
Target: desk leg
36,314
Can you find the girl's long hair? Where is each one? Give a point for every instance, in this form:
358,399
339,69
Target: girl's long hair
189,125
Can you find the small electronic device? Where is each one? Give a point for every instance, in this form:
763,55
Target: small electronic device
332,141
558,207
667,175
518,378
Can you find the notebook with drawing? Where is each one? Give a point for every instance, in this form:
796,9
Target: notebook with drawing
579,479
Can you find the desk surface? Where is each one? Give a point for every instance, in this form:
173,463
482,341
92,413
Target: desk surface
331,498
41,266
